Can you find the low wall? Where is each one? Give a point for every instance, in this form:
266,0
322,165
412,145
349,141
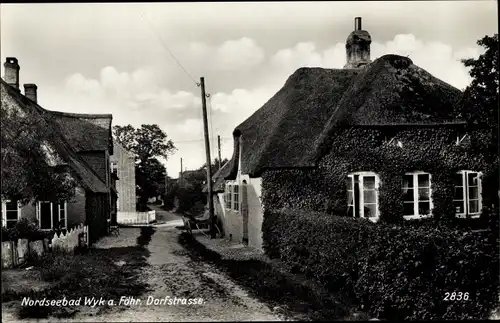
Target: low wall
135,217
17,253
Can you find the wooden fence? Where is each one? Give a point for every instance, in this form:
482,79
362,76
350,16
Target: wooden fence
135,217
69,240
16,253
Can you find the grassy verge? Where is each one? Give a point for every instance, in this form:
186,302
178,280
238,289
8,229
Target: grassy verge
295,295
107,273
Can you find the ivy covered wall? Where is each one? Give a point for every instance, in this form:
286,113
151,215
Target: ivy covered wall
431,150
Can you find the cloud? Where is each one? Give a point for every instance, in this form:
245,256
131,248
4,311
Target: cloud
241,54
438,58
234,55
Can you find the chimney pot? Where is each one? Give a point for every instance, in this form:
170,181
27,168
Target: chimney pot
357,23
30,92
11,72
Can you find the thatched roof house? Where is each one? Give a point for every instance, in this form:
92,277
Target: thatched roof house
44,118
79,142
326,127
291,129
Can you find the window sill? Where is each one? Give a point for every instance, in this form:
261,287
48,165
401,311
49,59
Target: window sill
416,217
472,216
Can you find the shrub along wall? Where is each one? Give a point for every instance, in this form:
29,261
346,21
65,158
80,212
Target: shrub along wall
401,271
432,150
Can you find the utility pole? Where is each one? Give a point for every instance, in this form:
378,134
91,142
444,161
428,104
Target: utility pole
180,175
209,161
218,145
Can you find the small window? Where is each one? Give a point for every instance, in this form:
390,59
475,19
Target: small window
11,213
236,198
227,198
114,167
417,201
467,198
362,195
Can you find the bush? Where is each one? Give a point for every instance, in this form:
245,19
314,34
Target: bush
24,229
321,246
398,272
409,269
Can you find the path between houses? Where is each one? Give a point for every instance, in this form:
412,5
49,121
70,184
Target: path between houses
171,272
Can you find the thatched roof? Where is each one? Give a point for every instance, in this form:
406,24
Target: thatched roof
85,132
293,128
80,169
218,179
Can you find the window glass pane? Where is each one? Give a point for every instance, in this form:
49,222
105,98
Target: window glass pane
369,182
408,195
369,196
424,208
458,179
349,183
408,209
350,211
11,215
459,206
474,206
349,197
370,210
459,193
423,180
407,181
11,206
423,194
473,193
473,179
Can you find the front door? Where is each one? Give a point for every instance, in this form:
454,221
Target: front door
45,215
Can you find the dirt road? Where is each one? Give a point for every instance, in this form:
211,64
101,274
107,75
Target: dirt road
171,273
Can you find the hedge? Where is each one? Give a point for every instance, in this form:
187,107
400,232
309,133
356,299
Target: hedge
410,269
318,245
395,271
24,229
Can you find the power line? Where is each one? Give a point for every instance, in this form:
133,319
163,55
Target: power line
150,25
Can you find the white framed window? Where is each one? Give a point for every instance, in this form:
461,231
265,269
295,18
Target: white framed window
228,196
417,202
468,190
362,195
11,213
236,198
51,215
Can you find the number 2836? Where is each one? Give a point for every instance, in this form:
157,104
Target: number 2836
456,296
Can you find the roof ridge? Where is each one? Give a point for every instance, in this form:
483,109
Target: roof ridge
81,115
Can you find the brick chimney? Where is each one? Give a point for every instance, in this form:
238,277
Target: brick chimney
358,46
11,72
30,91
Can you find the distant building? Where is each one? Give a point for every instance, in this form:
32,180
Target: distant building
123,165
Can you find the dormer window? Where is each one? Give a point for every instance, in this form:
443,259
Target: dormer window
392,141
461,139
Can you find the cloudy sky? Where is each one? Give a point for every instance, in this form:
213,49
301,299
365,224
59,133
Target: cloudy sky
114,58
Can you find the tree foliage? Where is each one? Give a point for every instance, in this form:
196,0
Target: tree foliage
147,143
188,191
28,172
480,102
